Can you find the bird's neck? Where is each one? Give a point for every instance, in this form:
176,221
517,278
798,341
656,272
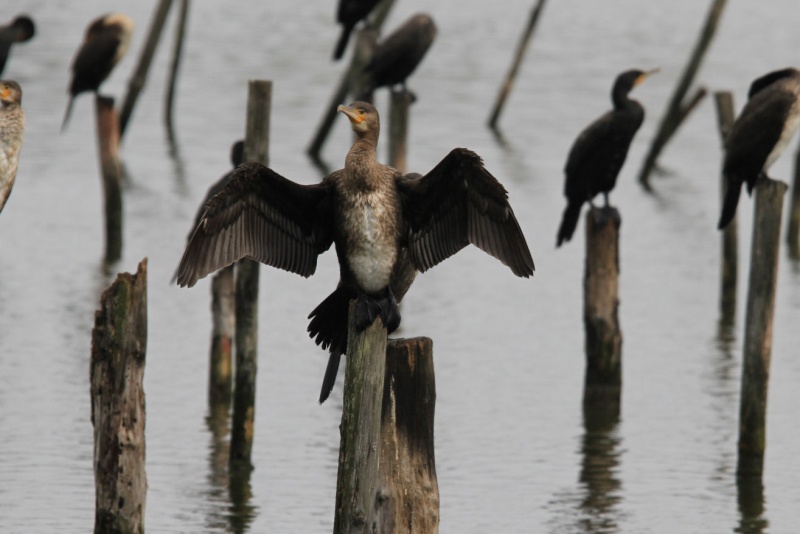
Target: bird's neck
362,163
621,100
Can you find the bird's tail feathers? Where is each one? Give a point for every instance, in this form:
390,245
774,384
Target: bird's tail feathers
729,204
569,222
341,44
328,325
67,113
330,376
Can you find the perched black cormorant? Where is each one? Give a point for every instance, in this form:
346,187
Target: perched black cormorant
12,128
599,151
104,44
384,225
20,30
761,132
349,14
397,56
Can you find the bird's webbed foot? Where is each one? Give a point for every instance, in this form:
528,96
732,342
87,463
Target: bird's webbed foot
369,308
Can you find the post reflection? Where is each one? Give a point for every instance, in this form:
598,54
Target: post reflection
600,469
750,496
229,488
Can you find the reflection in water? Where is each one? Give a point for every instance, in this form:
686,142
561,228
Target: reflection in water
600,469
751,505
229,487
178,165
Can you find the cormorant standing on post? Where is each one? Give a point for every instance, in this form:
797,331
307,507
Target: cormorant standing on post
12,128
761,132
600,150
397,56
381,222
350,12
20,30
104,44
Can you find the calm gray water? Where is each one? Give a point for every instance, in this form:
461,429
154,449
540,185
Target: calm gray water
511,451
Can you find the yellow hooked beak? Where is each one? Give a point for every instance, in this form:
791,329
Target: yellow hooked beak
356,116
642,77
5,91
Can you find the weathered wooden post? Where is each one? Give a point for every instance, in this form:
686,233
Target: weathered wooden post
408,493
357,480
177,51
603,381
119,345
758,325
677,111
505,89
136,84
223,312
793,232
111,169
256,148
730,240
398,129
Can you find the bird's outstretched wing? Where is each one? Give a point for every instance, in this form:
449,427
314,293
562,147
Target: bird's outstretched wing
457,203
261,215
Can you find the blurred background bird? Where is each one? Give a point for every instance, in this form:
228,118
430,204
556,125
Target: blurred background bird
761,132
397,56
12,128
349,14
106,41
20,30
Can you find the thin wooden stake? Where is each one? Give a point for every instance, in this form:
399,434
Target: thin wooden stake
793,231
256,149
408,495
359,452
398,129
223,312
730,239
119,346
505,89
139,78
758,325
177,51
676,110
603,382
111,169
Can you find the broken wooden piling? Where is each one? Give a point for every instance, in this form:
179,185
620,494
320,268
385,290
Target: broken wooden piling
111,170
119,345
603,380
758,325
256,148
505,88
408,492
677,110
360,447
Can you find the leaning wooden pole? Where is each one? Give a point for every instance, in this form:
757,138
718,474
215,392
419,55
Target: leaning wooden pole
360,447
256,148
111,170
603,380
399,109
508,83
758,325
675,112
139,78
119,343
793,231
177,52
730,240
408,494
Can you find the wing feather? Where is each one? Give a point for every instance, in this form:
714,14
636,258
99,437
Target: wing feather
260,215
459,203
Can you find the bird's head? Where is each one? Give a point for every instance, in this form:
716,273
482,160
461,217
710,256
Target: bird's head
24,27
631,78
363,117
10,92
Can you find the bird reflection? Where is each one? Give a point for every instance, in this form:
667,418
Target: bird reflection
600,470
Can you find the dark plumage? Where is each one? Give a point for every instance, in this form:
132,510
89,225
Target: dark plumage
20,30
349,14
385,226
104,44
761,132
600,150
396,57
12,128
